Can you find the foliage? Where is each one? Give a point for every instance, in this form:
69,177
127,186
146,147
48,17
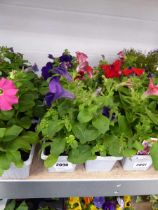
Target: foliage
136,58
17,126
12,206
9,60
110,114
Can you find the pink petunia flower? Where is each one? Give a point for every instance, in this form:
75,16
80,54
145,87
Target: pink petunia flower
152,89
8,93
81,57
83,65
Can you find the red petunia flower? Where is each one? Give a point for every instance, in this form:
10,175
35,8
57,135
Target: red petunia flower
127,72
138,71
112,71
133,70
80,76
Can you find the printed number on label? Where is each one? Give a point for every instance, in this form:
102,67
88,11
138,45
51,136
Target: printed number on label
141,165
62,164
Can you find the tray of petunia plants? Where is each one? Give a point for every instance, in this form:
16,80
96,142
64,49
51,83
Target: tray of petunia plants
21,107
78,127
135,82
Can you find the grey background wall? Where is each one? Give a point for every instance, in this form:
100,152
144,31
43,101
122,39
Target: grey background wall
39,27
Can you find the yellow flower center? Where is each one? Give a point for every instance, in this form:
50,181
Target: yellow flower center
1,91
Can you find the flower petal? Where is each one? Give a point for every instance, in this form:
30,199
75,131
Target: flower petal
67,94
7,84
11,99
49,98
81,57
10,92
152,89
4,105
62,71
55,86
46,70
65,58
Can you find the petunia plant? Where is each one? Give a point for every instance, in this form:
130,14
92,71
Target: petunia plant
21,106
108,110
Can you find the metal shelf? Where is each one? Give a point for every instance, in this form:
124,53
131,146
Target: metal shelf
42,184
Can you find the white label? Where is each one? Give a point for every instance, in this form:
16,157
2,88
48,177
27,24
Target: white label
141,165
63,166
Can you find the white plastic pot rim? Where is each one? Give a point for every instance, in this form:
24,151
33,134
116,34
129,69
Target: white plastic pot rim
108,158
139,157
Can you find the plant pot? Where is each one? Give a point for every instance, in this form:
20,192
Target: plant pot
62,164
101,163
3,204
137,163
19,173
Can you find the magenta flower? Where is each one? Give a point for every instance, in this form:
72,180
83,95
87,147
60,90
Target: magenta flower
8,93
152,89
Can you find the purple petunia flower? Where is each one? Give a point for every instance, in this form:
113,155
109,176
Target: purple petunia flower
99,201
109,205
62,70
50,56
65,58
11,49
150,75
56,91
46,70
106,112
35,67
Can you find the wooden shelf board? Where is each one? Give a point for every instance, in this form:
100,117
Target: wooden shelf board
38,172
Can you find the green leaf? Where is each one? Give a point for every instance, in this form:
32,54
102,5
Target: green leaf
129,152
24,142
23,206
25,122
12,132
5,161
16,158
154,155
81,154
84,116
78,130
123,126
50,161
89,135
153,117
10,205
58,146
2,132
83,134
138,146
6,115
114,149
26,102
54,127
101,123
